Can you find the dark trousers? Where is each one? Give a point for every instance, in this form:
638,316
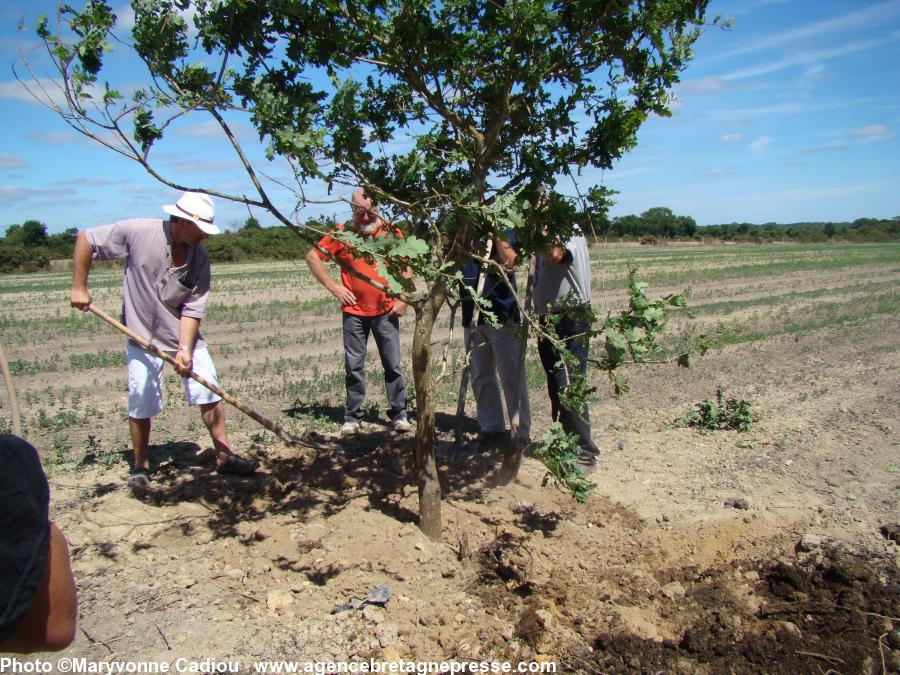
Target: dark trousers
573,421
386,330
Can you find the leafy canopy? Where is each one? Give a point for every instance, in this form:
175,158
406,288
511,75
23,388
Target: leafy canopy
452,112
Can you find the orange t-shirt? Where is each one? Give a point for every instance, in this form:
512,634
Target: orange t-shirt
370,301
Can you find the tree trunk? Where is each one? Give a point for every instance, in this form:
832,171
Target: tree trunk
426,468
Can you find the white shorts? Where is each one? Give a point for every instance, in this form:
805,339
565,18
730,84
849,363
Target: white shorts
145,373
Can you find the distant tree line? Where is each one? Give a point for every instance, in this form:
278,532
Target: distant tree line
28,247
657,222
254,242
860,230
660,223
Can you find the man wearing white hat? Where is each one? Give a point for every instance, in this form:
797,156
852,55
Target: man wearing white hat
165,291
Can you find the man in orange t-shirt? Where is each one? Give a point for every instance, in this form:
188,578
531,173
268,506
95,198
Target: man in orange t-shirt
365,309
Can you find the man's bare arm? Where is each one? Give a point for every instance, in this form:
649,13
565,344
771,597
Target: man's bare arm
188,327
81,266
49,623
317,267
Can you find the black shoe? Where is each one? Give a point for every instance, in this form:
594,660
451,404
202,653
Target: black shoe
489,440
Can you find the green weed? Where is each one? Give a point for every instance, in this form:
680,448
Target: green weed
102,359
60,447
559,452
709,416
20,367
61,420
109,459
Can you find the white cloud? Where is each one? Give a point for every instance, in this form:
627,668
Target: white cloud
718,172
617,174
675,102
142,190
732,138
212,129
17,91
90,182
230,186
8,161
15,193
144,199
828,147
872,133
796,107
204,166
15,45
817,193
125,19
755,202
868,16
812,56
759,146
873,130
207,129
43,91
68,138
805,86
69,202
749,6
54,137
706,85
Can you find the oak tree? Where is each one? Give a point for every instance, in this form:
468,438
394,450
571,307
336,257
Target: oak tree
450,113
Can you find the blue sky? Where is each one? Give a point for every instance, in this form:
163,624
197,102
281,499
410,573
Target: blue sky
792,115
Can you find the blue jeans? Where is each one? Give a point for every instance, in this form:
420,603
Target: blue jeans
386,330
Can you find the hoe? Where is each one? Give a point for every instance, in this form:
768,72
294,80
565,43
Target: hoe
274,427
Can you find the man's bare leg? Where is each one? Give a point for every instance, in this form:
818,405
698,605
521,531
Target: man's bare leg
213,415
140,440
226,461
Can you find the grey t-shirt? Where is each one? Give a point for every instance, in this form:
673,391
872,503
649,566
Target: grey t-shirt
571,276
155,295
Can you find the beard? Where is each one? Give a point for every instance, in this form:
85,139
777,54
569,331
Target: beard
367,229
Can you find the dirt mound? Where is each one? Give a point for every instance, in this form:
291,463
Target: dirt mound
825,608
829,613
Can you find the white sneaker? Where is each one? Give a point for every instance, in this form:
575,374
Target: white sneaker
402,426
350,428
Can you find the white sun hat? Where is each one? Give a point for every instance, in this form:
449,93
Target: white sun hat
196,207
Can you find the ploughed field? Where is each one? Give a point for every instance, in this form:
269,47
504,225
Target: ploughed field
772,550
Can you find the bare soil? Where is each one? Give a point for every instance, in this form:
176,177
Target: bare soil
770,551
